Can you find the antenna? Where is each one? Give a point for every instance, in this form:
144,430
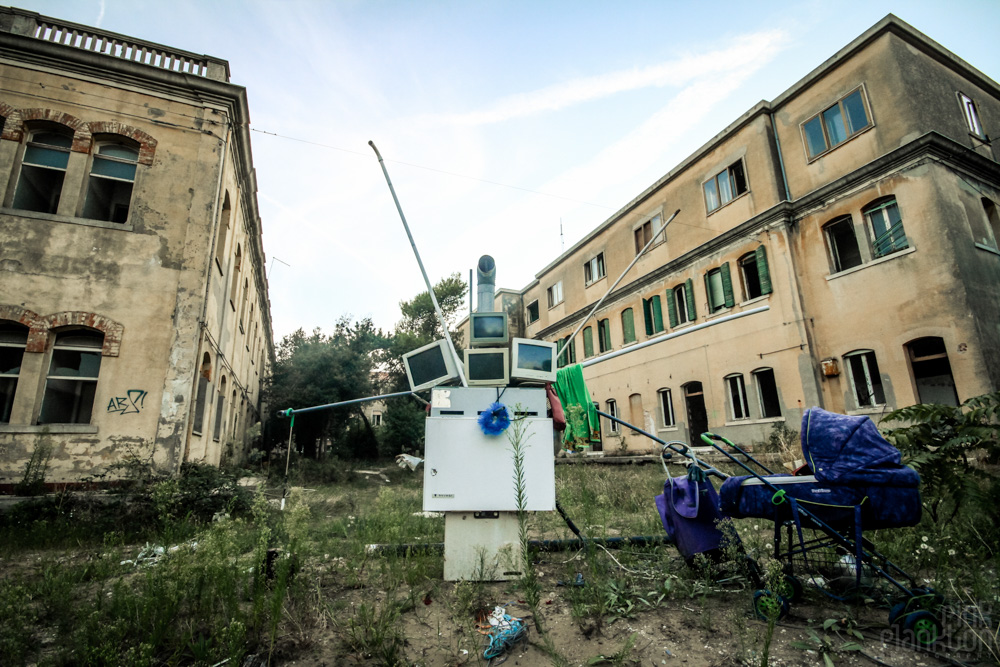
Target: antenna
562,240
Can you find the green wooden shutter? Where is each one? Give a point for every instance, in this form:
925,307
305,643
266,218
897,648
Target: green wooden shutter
727,286
588,343
657,314
689,295
671,308
563,356
628,325
763,272
647,316
572,349
708,291
606,335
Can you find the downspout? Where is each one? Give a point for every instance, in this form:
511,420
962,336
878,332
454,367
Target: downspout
781,159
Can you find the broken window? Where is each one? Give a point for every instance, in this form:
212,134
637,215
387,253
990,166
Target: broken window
220,410
737,392
767,392
604,335
554,294
666,408
628,326
836,124
71,384
594,269
932,371
13,339
112,175
865,378
886,228
971,114
725,186
755,273
612,409
43,169
533,312
843,244
204,379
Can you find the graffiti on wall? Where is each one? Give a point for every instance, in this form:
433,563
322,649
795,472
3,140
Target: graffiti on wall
130,403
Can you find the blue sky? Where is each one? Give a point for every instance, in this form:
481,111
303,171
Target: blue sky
497,120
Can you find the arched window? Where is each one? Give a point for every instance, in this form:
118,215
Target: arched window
666,408
767,392
697,415
220,408
71,383
604,335
13,339
932,371
636,415
886,225
204,380
628,326
842,243
612,409
588,342
43,169
112,175
652,315
220,244
866,381
755,273
739,407
235,282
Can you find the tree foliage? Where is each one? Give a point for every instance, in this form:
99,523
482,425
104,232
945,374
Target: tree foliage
940,441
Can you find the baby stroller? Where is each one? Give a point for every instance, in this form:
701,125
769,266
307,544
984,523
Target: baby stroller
855,482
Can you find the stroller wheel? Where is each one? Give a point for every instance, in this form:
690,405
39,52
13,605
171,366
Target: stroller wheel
790,588
769,606
896,612
924,626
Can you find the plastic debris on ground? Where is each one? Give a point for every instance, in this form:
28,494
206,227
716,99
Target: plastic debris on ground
502,632
408,461
152,553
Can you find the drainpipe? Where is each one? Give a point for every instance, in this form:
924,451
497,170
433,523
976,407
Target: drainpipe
781,159
486,274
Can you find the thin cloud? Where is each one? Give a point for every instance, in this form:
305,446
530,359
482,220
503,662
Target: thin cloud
752,47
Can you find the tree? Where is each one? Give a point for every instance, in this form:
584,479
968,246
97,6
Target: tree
403,421
317,369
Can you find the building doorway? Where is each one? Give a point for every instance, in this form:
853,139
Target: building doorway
697,417
932,371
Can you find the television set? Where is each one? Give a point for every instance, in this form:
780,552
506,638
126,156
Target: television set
487,329
489,366
430,366
533,360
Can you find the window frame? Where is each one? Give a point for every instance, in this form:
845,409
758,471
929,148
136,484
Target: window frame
870,385
529,312
735,381
50,392
11,329
652,315
376,419
761,403
594,269
849,134
642,233
666,401
611,407
56,195
879,205
833,247
731,185
628,326
553,291
970,111
604,336
94,158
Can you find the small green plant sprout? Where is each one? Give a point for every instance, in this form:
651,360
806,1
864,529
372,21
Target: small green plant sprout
619,657
824,646
33,482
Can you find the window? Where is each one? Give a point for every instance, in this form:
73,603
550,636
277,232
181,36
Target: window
725,186
932,371
554,294
43,169
719,287
71,384
588,342
989,234
886,228
636,415
604,335
738,406
652,314
533,312
13,339
680,304
568,354
204,379
843,244
112,174
594,269
865,378
612,409
644,232
220,245
971,114
755,273
767,393
220,408
243,303
234,284
835,125
666,408
376,419
628,326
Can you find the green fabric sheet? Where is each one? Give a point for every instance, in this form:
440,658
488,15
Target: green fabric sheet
572,390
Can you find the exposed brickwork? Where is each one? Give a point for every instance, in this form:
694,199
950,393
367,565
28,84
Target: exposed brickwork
6,112
81,133
112,330
37,329
147,144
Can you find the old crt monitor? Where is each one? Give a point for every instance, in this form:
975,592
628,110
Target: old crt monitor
487,329
430,366
533,360
488,366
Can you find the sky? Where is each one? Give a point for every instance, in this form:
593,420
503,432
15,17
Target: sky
509,128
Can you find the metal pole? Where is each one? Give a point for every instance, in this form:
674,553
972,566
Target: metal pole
291,413
597,305
430,290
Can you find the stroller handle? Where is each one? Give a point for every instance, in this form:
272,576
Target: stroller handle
711,439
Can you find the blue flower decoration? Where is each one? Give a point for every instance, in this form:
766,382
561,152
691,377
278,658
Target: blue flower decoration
495,419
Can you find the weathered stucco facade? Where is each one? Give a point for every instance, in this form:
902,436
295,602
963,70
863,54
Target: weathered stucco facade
857,211
134,318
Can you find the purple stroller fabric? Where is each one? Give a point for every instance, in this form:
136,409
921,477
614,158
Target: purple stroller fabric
689,511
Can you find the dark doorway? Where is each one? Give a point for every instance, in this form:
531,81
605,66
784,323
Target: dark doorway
932,371
697,417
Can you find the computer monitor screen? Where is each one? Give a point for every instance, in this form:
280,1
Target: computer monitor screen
488,366
487,329
430,366
533,360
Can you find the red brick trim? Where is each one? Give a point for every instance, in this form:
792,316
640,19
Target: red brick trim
7,111
112,330
38,332
147,144
81,133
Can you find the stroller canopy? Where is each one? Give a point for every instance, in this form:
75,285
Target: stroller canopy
842,449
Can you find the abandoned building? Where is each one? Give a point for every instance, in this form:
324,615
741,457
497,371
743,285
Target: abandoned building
134,318
854,219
